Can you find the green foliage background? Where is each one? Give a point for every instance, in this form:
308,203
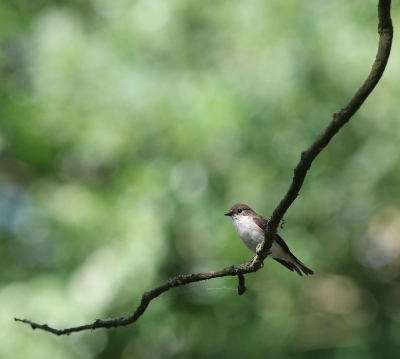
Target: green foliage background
129,127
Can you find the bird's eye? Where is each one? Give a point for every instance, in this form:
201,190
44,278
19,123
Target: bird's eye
240,210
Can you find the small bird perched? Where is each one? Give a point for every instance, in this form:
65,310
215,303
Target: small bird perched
251,228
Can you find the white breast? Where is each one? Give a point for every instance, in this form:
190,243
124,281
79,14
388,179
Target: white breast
248,231
252,235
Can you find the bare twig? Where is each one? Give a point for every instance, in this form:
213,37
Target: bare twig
147,297
385,30
242,284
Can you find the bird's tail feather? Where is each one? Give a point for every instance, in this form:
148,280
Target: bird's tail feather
294,266
305,269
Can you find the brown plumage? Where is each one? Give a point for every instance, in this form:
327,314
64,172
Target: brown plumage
251,229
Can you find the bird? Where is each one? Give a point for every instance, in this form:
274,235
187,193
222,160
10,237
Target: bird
251,228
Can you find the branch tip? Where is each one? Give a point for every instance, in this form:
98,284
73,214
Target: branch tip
242,285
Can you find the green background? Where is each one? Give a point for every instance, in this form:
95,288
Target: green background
129,127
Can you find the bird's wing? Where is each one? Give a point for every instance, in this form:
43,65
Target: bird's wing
291,264
261,222
282,243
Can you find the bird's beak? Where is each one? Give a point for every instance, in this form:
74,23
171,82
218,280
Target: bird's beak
228,214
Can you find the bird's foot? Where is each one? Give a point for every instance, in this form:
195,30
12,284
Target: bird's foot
249,264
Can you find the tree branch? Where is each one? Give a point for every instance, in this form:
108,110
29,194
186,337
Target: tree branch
385,31
147,297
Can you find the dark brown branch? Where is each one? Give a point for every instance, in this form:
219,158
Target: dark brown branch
147,297
385,30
